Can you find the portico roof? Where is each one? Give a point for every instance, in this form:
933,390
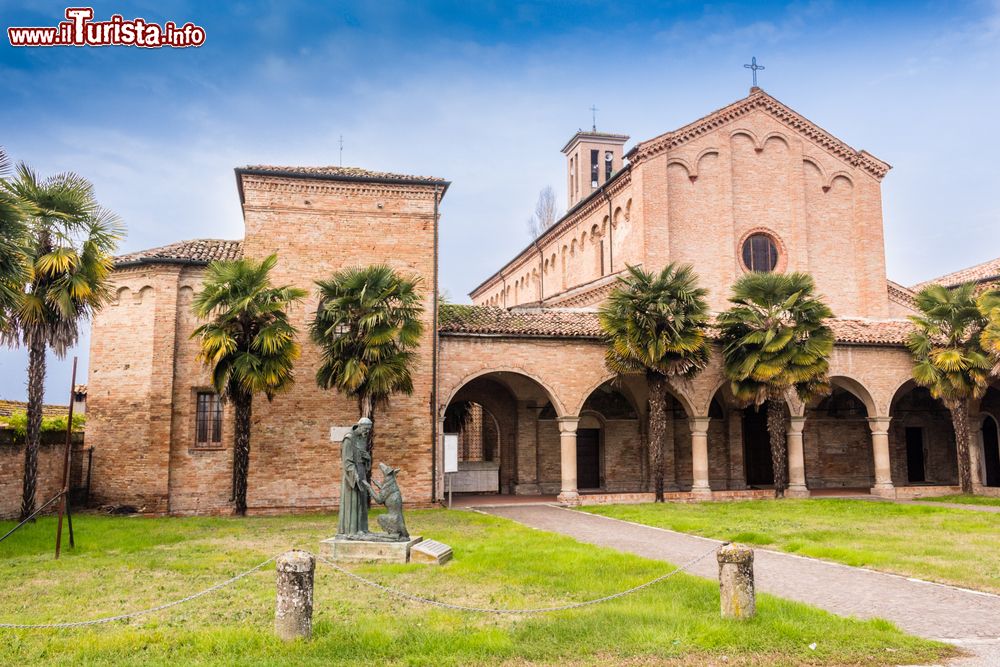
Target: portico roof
566,323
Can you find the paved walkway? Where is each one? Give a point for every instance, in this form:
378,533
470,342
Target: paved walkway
926,609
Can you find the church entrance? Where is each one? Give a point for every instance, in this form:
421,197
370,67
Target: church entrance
991,452
757,448
588,458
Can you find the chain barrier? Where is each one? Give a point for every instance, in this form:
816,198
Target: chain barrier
143,612
367,582
536,610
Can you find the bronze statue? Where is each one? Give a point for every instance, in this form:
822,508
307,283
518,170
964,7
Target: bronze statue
356,463
356,492
388,494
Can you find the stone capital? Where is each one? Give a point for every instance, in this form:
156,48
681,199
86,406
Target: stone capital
568,424
879,425
699,425
796,425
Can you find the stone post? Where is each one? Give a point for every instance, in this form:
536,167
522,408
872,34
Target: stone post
294,610
796,459
736,591
699,456
568,494
880,449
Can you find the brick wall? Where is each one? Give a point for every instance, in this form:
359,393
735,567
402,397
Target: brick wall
144,375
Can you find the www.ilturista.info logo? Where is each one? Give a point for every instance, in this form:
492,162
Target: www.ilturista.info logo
80,30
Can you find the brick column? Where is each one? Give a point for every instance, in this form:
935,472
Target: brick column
567,460
880,449
796,459
699,455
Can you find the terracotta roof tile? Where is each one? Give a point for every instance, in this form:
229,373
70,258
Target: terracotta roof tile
195,251
331,171
555,323
980,273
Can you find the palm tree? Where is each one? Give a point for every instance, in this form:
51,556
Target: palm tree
12,245
248,343
774,339
989,306
655,324
949,359
68,251
368,327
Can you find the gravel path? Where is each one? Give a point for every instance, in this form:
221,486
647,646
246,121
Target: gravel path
968,618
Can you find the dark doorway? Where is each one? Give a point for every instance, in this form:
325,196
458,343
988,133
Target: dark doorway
991,452
588,458
915,454
757,448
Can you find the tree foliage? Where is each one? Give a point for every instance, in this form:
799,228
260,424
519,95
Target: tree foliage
655,324
64,262
949,358
368,327
774,339
248,343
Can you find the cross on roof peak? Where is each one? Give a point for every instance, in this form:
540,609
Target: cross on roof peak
753,66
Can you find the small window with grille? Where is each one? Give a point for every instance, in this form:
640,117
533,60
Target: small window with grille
208,420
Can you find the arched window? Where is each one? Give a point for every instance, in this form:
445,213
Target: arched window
760,253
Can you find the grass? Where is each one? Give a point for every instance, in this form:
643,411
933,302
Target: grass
993,501
940,544
133,563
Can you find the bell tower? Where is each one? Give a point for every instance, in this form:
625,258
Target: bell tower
591,159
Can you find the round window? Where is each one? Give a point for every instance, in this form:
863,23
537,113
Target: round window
760,253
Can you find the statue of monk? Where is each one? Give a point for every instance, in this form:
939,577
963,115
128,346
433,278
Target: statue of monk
356,462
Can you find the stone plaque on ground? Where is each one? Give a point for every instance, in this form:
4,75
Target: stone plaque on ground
362,551
430,551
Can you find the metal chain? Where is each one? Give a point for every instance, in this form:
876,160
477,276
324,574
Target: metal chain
143,612
536,610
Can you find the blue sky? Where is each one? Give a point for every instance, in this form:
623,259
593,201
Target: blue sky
485,94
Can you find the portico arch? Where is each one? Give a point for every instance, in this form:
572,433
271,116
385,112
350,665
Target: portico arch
921,439
507,407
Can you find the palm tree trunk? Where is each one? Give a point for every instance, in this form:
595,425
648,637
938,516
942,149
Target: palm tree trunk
960,421
779,455
36,398
657,430
241,452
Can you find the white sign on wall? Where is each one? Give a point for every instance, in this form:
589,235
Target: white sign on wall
337,433
451,452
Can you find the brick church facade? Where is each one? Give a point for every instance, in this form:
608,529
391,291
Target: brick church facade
519,375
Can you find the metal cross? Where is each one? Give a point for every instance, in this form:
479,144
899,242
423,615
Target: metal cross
754,67
593,115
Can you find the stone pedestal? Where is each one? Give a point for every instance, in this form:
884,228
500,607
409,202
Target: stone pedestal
361,551
736,586
294,607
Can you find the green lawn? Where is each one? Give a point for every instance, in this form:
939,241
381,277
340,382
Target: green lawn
132,563
965,500
937,543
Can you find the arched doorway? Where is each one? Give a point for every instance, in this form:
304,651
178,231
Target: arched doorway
507,441
609,441
921,439
991,451
837,443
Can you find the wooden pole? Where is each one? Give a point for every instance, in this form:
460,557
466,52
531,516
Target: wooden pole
64,503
